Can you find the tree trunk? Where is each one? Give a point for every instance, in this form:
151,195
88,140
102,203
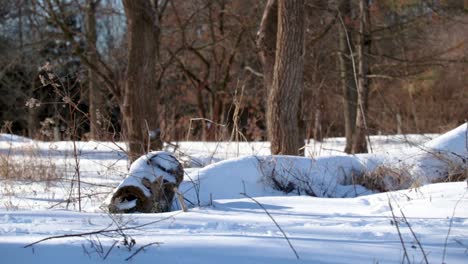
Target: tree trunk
347,80
363,49
97,109
266,41
283,109
141,97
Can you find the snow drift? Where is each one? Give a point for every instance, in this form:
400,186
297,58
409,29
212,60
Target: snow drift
441,159
236,229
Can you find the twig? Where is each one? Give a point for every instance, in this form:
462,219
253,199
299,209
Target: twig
142,248
415,237
180,197
102,231
254,72
69,200
274,221
450,227
405,253
77,167
461,244
110,249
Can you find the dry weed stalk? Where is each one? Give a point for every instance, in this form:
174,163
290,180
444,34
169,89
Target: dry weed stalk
395,221
28,166
120,231
455,172
274,221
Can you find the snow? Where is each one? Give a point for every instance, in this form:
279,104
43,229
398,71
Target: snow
13,138
324,176
250,174
125,205
441,155
224,225
322,230
454,141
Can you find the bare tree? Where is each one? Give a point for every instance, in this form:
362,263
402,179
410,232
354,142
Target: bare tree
353,67
97,68
266,41
208,51
283,109
212,37
363,51
97,103
345,68
141,96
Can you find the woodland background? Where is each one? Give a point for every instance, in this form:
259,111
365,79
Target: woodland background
64,68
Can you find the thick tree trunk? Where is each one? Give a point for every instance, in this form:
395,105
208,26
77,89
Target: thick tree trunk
283,113
97,102
347,80
363,50
141,97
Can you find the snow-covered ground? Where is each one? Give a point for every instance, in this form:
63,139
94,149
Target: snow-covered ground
235,215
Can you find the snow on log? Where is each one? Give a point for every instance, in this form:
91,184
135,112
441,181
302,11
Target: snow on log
149,186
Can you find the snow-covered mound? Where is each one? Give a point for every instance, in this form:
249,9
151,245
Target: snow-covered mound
330,176
441,157
265,175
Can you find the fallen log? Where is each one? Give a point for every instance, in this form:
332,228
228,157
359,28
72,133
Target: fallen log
150,185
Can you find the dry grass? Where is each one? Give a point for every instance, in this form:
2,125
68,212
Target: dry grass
28,167
455,173
385,178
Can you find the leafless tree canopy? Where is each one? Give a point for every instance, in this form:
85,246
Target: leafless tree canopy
152,71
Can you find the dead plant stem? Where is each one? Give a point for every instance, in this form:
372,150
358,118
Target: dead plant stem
274,221
395,220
